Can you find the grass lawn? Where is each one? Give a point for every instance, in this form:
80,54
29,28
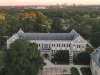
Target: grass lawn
74,71
86,71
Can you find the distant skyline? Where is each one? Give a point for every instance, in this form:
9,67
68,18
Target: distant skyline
47,2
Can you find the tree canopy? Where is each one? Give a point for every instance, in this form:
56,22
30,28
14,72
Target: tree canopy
96,39
85,20
23,58
82,58
61,57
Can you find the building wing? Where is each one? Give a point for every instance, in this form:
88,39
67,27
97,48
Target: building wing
96,56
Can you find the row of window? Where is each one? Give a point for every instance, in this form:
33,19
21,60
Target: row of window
58,45
54,45
77,51
54,51
78,46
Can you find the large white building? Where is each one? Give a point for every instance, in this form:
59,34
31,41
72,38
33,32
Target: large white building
95,62
50,43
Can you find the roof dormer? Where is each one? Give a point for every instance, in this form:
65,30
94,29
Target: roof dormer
73,32
20,32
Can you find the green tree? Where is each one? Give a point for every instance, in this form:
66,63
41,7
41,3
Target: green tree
83,58
23,58
86,70
3,27
74,71
61,57
96,39
42,24
1,59
89,49
13,24
56,25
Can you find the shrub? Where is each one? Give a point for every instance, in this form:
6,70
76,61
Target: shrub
61,57
74,71
82,58
86,71
89,50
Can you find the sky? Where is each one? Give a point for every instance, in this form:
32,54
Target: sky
47,2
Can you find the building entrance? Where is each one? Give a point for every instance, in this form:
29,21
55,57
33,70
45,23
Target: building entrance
45,56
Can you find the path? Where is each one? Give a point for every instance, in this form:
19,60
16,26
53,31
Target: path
68,67
79,71
51,69
80,66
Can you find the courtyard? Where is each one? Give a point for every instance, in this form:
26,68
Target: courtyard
51,69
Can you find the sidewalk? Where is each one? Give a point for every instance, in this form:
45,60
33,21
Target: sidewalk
68,67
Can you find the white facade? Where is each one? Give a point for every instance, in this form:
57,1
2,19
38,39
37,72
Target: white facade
95,68
95,62
75,45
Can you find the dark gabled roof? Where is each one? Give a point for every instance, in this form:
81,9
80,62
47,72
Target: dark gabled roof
48,36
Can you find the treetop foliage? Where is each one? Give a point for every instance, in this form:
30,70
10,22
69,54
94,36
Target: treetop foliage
23,58
84,20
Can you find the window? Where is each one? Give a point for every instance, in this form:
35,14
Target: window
69,45
74,47
46,46
78,46
57,45
52,45
42,45
49,45
52,51
39,45
64,45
